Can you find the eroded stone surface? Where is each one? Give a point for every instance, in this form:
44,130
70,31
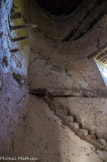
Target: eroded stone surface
27,125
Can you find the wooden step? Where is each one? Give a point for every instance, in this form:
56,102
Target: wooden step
20,38
22,26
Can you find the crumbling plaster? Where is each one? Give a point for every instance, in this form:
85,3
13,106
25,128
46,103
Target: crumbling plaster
57,65
70,56
27,125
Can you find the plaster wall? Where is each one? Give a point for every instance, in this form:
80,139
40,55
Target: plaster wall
27,125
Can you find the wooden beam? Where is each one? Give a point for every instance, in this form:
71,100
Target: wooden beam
22,26
103,59
38,92
69,93
102,55
20,38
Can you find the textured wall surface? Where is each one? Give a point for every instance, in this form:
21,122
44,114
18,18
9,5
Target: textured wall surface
70,66
5,44
56,64
28,127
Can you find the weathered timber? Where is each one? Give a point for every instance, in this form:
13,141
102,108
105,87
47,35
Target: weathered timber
22,26
38,92
102,55
14,50
20,38
80,22
103,59
73,31
17,15
69,93
91,24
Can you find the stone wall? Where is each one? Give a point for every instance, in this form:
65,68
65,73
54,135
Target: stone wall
5,43
13,72
28,127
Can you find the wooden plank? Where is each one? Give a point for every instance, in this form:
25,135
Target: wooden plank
69,93
22,26
20,38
